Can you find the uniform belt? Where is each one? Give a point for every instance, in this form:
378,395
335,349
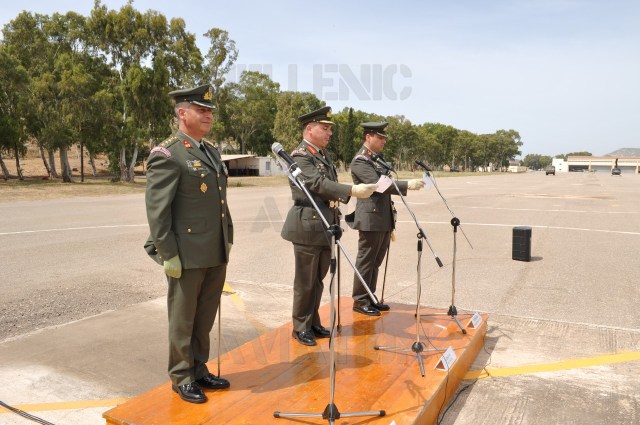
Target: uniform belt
306,203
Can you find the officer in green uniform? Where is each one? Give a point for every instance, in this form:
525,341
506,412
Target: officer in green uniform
374,217
191,236
305,229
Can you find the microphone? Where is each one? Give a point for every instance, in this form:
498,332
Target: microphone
423,165
278,150
377,158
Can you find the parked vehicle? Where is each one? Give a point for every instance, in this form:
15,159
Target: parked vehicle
616,172
550,170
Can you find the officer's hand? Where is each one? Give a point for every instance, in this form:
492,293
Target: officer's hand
173,267
415,184
363,190
393,236
229,246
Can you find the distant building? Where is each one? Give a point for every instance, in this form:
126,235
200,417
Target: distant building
560,165
628,164
251,165
515,167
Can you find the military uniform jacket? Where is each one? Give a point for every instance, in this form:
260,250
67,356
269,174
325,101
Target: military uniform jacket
302,225
186,199
377,213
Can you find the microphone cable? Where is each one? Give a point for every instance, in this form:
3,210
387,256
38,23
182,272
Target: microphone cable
25,414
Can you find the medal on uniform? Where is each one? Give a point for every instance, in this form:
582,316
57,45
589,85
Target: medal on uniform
203,187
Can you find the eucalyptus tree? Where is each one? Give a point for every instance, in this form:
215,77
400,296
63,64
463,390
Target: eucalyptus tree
506,146
25,40
401,141
290,105
252,111
14,82
150,56
220,57
466,144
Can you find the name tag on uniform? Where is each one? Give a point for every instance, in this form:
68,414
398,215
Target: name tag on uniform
384,183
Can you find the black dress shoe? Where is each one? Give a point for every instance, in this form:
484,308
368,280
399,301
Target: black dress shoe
382,307
211,382
369,310
320,331
190,392
304,337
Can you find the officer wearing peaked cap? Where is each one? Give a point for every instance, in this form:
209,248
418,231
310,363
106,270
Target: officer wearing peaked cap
374,217
201,96
191,233
305,229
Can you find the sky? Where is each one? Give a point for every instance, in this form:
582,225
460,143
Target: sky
565,74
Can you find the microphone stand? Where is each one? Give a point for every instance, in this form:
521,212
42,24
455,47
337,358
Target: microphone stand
330,412
386,264
455,223
418,347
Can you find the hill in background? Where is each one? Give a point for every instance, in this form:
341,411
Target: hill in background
625,152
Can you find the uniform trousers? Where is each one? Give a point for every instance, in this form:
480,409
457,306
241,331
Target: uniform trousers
192,304
312,264
372,248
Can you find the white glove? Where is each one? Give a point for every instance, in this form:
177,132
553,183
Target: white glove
173,267
363,190
415,184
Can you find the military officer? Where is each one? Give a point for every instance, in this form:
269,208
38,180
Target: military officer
191,236
374,217
305,229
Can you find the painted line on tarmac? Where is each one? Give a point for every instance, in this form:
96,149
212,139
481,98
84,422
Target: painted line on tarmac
235,298
554,367
555,210
580,229
65,229
473,374
66,405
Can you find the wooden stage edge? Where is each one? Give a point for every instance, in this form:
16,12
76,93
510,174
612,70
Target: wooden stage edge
273,373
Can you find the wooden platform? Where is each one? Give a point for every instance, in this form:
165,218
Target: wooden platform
274,373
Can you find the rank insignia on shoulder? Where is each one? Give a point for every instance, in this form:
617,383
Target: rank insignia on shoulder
186,144
162,150
300,152
168,142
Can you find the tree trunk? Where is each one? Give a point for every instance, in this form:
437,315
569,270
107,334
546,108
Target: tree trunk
64,164
44,160
81,162
5,170
52,160
92,162
132,165
122,164
18,169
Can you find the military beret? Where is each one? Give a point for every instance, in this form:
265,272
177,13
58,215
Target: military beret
202,96
322,115
375,127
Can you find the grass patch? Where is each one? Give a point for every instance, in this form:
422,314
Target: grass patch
35,188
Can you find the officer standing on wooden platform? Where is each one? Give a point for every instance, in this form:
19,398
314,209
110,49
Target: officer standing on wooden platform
302,227
374,217
191,236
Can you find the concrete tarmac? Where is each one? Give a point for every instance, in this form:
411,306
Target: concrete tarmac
563,344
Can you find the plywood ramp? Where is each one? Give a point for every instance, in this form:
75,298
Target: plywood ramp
274,373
